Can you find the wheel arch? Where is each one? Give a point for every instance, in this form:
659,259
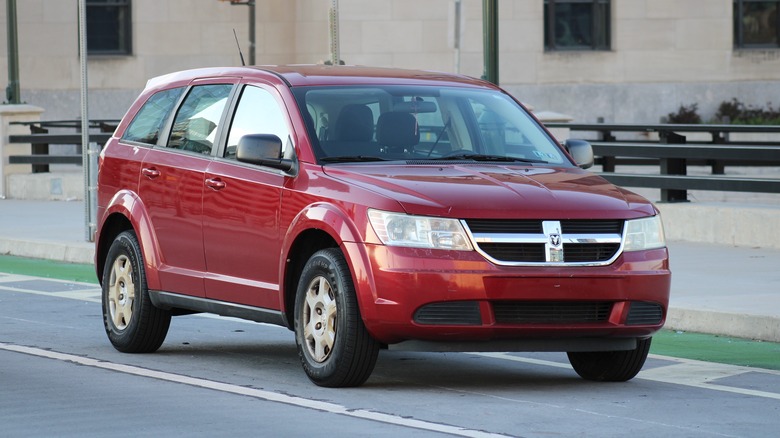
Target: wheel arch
317,227
126,212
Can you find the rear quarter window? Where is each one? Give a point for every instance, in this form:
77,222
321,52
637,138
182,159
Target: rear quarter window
150,119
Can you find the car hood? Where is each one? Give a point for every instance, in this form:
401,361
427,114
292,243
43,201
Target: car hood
494,191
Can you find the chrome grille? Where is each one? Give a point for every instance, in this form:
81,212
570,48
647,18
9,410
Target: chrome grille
548,242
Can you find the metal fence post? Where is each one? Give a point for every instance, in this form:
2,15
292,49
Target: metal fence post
673,166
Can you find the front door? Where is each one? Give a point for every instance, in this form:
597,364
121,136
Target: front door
241,209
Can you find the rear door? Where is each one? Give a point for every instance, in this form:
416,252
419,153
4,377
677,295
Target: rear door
241,207
171,187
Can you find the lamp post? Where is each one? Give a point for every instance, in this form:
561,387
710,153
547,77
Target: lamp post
490,40
251,4
12,92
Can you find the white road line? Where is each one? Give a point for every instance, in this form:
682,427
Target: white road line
92,296
86,291
252,392
685,372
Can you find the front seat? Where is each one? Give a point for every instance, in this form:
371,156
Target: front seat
397,132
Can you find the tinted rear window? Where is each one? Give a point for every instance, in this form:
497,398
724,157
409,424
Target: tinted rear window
147,124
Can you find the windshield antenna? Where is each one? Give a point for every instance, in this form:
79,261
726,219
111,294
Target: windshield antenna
243,64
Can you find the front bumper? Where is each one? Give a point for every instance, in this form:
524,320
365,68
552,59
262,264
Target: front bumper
451,296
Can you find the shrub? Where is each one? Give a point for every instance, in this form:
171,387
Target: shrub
738,113
685,115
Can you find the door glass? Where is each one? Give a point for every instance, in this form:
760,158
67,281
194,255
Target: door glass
258,113
195,126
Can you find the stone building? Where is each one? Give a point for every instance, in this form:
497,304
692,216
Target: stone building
620,60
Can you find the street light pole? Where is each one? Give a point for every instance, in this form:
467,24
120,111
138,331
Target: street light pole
490,39
251,5
12,92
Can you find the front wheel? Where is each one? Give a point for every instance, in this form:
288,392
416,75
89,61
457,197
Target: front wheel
610,366
335,348
133,324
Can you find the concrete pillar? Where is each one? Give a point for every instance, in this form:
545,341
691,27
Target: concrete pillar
8,114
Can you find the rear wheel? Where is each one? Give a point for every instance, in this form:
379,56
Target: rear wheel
611,366
334,346
133,324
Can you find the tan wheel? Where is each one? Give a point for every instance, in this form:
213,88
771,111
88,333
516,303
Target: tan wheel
335,348
319,319
133,324
121,292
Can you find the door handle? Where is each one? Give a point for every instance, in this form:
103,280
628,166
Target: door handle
150,172
215,184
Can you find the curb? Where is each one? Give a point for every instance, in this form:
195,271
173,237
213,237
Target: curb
67,252
757,327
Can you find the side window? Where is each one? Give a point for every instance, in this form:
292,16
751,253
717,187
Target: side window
195,126
147,124
258,113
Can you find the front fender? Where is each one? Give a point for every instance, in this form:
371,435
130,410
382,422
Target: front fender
345,232
129,205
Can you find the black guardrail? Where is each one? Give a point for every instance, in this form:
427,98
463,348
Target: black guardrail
672,153
40,139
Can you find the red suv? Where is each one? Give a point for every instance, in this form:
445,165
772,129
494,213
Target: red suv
370,208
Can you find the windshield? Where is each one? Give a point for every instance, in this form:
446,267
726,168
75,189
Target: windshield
377,123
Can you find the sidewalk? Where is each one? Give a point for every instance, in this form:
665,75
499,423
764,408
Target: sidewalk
716,289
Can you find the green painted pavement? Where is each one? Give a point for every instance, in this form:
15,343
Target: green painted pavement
48,269
720,349
686,345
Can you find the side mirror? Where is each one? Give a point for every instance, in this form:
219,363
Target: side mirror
264,150
581,151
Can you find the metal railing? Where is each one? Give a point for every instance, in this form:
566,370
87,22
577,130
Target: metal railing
673,153
40,139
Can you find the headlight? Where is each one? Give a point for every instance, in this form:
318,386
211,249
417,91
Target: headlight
646,233
396,229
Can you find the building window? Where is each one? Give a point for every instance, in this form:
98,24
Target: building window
756,23
108,27
577,24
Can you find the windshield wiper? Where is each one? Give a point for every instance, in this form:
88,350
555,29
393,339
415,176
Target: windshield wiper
484,157
351,158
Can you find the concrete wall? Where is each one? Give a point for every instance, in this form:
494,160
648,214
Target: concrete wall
664,52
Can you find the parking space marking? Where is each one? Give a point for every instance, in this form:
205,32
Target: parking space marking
253,392
50,287
685,372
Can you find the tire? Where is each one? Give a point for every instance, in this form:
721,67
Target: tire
610,366
334,346
133,324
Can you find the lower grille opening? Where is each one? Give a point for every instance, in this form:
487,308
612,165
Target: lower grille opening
644,313
520,312
449,313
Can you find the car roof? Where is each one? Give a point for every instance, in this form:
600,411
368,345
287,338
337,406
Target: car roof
321,74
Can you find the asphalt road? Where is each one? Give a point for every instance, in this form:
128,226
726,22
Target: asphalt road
59,376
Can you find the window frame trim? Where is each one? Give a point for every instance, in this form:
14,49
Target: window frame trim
128,33
549,26
738,30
